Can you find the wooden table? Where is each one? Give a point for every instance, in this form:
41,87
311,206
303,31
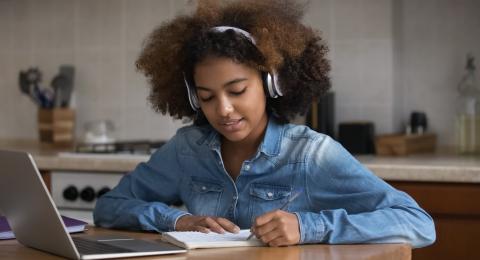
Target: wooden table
11,249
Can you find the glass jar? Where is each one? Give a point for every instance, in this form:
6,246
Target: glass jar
468,111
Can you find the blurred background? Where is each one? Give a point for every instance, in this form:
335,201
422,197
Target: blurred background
389,58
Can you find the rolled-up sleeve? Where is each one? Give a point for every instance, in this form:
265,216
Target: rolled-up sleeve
141,200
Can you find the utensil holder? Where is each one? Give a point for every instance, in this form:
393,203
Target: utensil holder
56,125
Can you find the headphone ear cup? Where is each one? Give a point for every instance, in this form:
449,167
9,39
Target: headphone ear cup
265,83
192,95
271,87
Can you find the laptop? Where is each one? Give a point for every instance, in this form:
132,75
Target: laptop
35,221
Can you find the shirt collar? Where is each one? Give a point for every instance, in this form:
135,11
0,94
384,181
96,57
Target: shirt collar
272,140
270,145
210,139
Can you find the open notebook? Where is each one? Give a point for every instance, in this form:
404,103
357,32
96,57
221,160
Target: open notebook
192,240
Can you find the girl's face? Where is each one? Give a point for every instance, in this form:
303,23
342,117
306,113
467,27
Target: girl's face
232,98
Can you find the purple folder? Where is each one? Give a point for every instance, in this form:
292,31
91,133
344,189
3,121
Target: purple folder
73,226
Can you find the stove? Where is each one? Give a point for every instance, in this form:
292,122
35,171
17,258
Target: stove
121,147
75,193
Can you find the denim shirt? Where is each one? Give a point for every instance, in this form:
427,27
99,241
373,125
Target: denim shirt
342,201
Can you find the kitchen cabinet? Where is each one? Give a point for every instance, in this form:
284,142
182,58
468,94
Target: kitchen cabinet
455,208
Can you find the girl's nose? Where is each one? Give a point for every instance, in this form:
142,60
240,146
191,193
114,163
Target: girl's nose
225,108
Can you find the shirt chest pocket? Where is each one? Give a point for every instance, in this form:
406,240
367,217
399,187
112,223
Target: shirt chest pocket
265,198
205,197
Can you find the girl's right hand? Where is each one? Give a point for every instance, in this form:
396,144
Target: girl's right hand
205,224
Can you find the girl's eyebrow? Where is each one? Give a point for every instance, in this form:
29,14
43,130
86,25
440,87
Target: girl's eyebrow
231,82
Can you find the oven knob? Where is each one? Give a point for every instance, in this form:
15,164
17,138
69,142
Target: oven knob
70,193
87,194
102,191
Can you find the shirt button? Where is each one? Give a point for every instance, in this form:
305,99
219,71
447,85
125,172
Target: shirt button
247,167
204,188
270,194
235,197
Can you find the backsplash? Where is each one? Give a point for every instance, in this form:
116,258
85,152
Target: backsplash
102,40
389,57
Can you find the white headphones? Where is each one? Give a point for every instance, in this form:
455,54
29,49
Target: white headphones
270,79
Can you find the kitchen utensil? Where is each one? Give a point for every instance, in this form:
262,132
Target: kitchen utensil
25,86
45,96
63,86
58,84
29,84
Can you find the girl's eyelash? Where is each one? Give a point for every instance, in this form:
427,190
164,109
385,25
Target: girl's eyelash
239,92
206,99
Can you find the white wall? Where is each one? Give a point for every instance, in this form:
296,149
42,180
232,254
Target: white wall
432,39
359,34
388,57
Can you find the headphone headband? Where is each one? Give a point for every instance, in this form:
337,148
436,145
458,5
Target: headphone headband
222,29
271,79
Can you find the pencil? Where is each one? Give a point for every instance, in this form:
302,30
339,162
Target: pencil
283,207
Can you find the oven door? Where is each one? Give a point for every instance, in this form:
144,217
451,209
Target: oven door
75,193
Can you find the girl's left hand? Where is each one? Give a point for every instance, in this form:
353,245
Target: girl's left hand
277,228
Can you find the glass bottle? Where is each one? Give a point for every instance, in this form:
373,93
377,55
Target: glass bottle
468,111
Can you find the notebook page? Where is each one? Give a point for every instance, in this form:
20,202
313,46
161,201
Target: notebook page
210,237
193,240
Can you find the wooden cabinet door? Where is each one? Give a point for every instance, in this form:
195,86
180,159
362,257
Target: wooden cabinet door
455,208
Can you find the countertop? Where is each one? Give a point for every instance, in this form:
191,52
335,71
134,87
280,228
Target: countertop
51,158
437,167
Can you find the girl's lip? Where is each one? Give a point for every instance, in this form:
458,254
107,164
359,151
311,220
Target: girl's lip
231,121
232,125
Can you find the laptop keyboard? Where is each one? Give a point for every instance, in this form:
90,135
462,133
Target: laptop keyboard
88,247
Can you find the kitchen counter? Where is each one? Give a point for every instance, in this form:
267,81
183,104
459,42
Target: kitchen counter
51,158
438,167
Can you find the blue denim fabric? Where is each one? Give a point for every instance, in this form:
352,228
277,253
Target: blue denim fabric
342,201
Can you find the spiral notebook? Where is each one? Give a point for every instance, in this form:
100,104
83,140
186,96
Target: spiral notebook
193,240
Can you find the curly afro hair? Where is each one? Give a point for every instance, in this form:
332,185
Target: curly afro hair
294,51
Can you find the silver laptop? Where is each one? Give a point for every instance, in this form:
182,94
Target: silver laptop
35,221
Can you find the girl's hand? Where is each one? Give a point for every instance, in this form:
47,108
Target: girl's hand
205,224
277,228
